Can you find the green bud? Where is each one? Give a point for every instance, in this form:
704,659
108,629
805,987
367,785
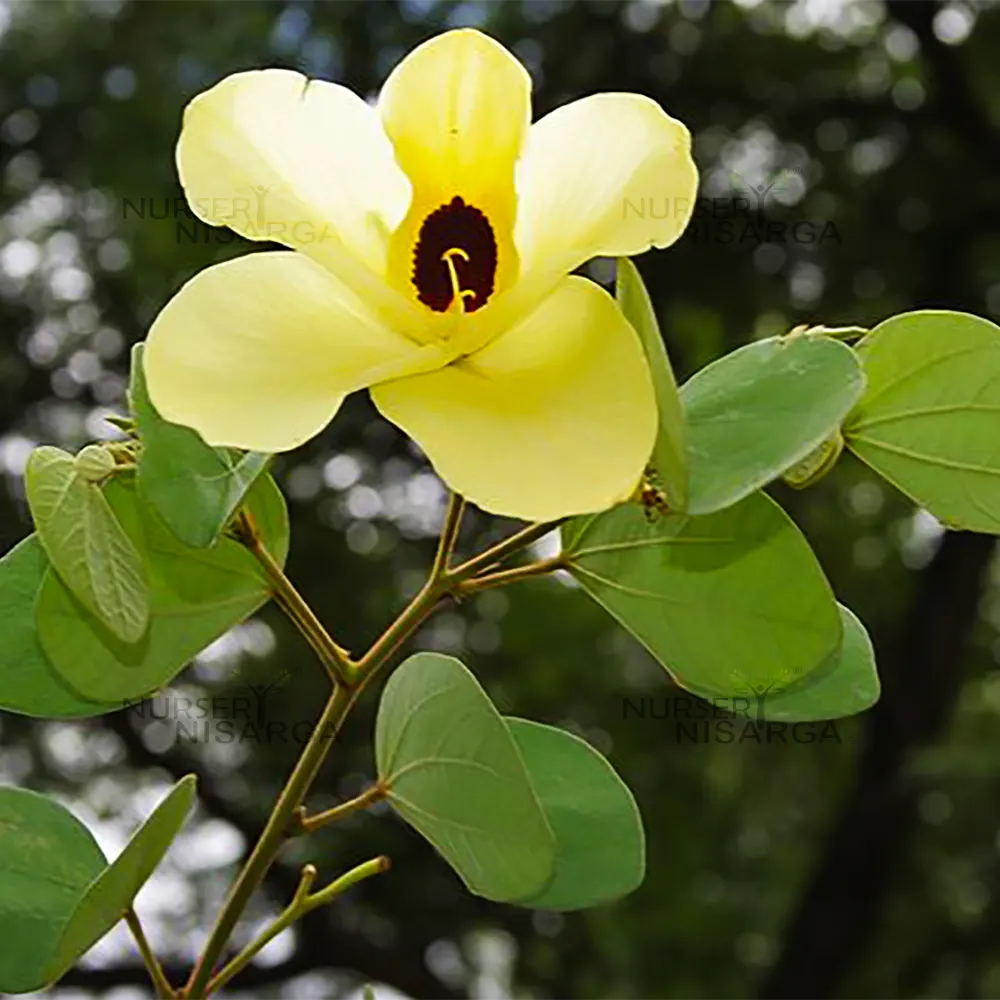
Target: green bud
817,463
94,463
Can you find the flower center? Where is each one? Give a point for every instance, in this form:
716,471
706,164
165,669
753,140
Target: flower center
455,258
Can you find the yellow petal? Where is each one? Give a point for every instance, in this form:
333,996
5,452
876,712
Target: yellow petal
611,174
258,352
457,110
278,157
555,417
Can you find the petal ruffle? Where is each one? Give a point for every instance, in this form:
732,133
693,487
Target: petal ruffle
556,417
260,351
608,175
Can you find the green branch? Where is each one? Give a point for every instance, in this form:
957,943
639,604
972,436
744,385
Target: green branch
501,578
273,836
449,535
505,549
350,678
309,824
302,902
336,660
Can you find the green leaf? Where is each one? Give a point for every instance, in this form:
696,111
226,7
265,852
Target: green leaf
29,685
454,773
86,544
723,601
196,595
669,456
930,420
845,685
48,858
58,895
194,487
112,893
758,411
600,845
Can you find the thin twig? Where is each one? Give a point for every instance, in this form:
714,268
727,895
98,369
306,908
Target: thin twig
309,824
152,963
356,675
505,549
302,902
336,660
449,535
505,576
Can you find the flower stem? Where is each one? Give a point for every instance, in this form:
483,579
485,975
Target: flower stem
441,584
152,963
449,534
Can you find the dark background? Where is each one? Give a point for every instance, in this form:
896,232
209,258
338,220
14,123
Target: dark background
862,866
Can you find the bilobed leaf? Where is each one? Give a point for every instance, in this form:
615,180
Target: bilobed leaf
108,897
85,543
58,894
600,844
48,858
195,596
669,458
930,419
723,600
758,411
845,685
29,684
454,773
194,487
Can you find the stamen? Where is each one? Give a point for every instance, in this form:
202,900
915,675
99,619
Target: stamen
459,293
455,233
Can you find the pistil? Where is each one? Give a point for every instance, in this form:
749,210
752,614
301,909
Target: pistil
459,293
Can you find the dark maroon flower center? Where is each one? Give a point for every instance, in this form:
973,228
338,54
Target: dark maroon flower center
455,255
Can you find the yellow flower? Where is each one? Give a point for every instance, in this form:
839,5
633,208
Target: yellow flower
432,238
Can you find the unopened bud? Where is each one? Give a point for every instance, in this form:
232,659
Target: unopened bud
94,463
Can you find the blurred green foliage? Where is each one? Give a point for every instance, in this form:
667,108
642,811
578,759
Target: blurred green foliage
866,865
